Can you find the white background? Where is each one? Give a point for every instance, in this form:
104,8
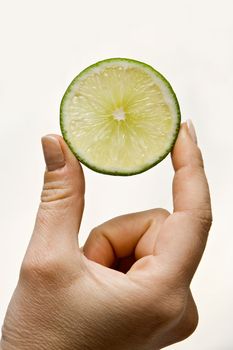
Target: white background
43,45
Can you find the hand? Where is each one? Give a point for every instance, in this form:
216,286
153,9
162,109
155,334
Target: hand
128,287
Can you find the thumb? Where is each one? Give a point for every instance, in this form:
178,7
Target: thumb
62,199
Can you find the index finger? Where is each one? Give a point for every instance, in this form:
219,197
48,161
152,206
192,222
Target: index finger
190,186
184,234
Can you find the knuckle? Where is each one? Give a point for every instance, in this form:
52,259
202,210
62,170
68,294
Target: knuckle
171,307
95,232
46,268
191,326
174,309
208,219
204,212
55,190
58,187
188,325
205,219
202,217
99,233
159,212
163,212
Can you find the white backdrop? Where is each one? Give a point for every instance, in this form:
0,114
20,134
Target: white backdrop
43,45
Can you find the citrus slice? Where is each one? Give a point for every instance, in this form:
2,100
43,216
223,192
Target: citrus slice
120,117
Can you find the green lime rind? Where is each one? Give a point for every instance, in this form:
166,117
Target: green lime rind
121,173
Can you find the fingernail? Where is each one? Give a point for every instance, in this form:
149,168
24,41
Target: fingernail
53,155
191,130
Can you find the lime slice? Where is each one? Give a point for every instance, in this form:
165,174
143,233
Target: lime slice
120,116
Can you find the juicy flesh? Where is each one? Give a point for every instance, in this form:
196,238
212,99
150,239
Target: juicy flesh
117,119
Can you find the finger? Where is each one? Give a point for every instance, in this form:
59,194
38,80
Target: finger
62,199
124,236
190,187
184,233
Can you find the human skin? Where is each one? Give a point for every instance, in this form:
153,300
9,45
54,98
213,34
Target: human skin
129,286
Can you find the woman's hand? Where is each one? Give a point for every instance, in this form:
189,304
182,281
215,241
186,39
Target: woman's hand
128,287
